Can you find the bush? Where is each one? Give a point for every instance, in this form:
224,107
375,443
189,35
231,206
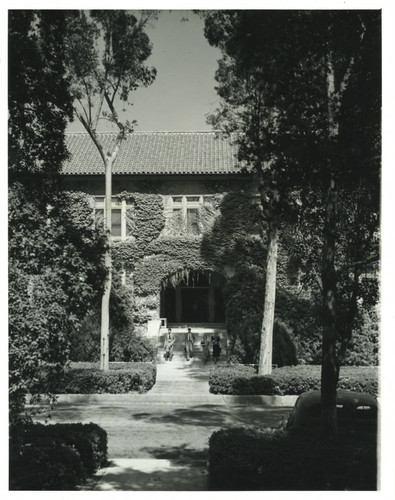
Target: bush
127,346
89,379
364,345
256,460
46,465
55,457
89,440
290,380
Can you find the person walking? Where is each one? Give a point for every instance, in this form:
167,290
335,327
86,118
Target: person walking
189,340
216,341
206,351
169,345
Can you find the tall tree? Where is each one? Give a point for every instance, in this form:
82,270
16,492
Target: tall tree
252,105
294,84
54,254
106,52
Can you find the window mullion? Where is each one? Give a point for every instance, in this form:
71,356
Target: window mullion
123,220
184,210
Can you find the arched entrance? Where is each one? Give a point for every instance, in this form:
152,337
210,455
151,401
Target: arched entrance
195,298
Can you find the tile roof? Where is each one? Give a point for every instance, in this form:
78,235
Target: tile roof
155,153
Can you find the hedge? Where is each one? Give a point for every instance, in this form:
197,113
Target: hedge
89,440
48,466
56,457
288,380
255,460
87,378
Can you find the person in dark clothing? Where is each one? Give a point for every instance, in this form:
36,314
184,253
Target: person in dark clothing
216,341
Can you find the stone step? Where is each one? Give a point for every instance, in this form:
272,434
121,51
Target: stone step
180,339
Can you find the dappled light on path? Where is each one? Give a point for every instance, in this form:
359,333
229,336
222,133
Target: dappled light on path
152,475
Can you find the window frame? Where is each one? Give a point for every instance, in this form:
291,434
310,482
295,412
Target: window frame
186,204
116,204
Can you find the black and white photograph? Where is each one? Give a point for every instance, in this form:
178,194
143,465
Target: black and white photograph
195,261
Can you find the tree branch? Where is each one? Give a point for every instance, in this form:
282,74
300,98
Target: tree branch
91,134
359,263
120,125
346,78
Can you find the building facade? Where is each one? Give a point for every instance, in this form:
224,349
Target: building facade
184,219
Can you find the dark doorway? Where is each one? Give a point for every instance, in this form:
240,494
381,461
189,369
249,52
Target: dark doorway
197,299
169,305
195,305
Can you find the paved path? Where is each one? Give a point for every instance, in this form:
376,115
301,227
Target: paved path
159,441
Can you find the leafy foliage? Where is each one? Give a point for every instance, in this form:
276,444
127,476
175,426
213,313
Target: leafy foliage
55,254
49,466
300,108
105,56
56,274
57,457
270,459
38,95
243,298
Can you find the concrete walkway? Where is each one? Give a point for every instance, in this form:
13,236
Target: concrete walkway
158,441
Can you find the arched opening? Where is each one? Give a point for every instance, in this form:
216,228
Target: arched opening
193,297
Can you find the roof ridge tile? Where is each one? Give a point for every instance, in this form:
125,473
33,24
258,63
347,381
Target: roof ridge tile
154,153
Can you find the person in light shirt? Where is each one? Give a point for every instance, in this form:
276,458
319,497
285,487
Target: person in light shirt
189,341
169,345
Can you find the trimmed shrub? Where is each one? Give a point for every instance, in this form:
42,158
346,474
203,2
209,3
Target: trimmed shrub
118,380
55,457
46,465
255,460
290,380
89,440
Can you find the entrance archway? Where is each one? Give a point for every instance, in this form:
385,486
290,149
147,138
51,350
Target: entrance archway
196,298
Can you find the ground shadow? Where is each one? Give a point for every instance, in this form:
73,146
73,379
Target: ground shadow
123,475
217,416
179,455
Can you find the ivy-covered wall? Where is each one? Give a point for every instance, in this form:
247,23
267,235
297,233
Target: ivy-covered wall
160,249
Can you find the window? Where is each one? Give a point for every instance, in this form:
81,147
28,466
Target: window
186,208
192,220
121,224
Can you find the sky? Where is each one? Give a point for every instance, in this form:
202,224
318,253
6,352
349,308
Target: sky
183,91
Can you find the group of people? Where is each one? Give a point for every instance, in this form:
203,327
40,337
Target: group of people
189,341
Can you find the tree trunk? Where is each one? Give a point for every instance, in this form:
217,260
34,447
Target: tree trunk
266,348
105,308
329,367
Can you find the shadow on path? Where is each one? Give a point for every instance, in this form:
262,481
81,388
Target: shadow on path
178,455
151,475
215,416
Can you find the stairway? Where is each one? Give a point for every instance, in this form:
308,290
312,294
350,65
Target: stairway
198,332
182,377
